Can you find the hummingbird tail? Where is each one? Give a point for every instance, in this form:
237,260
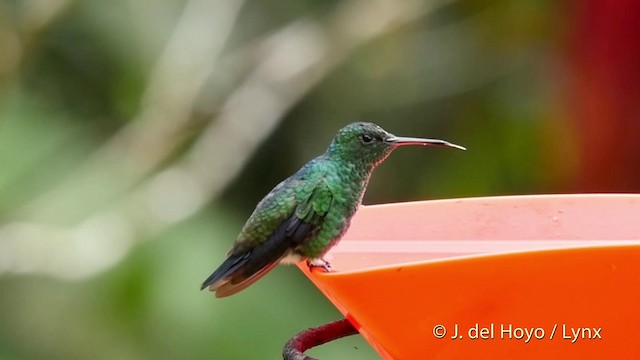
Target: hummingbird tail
228,267
240,270
228,288
237,273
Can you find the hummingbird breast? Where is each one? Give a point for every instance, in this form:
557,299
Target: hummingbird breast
347,183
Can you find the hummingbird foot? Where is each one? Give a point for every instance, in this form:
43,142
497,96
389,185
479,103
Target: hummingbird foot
319,263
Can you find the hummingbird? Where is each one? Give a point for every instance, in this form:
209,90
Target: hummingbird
306,214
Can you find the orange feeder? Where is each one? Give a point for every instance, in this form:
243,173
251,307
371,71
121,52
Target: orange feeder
553,276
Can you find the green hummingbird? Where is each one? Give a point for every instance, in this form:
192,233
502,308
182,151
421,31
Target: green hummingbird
307,214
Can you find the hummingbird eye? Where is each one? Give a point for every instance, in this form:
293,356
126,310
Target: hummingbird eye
366,138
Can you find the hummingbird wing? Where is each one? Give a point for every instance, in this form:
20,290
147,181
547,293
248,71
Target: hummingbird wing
291,213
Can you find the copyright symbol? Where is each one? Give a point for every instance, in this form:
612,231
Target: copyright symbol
439,331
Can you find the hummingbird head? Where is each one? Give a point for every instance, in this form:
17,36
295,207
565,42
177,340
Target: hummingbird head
369,144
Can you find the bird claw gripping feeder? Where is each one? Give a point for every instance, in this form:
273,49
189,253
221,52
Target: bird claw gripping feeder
554,276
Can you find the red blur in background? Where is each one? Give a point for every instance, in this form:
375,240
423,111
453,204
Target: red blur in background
604,53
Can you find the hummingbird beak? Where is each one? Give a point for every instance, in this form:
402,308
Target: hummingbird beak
400,141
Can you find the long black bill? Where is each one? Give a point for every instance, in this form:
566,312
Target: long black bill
400,141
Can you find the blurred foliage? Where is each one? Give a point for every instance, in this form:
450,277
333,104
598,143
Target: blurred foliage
110,219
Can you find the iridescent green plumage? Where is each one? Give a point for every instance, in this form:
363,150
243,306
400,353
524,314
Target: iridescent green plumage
306,214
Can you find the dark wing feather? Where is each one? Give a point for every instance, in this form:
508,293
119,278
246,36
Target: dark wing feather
245,265
229,266
239,271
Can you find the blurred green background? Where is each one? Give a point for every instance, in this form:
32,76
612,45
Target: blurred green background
136,137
